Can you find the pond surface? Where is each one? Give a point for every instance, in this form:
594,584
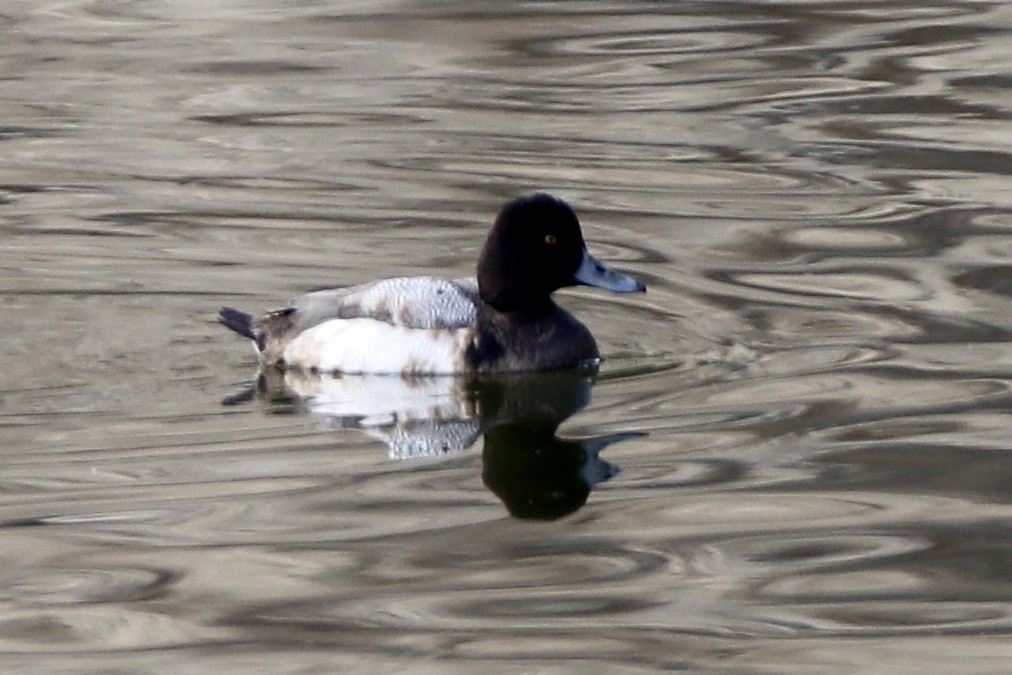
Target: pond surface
794,459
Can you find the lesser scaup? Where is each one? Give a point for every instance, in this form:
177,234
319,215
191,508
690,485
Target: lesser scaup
505,322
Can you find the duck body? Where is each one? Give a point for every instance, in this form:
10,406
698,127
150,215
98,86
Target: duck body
505,321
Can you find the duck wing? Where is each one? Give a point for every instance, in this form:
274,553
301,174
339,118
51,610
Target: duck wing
407,302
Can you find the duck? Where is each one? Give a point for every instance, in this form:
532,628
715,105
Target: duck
504,320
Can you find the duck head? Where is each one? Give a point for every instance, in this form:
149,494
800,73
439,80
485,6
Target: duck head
536,247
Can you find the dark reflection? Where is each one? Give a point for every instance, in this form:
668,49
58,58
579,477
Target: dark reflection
538,475
535,473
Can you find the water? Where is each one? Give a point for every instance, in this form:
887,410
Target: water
794,459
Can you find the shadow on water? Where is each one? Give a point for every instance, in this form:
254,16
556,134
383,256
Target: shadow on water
535,473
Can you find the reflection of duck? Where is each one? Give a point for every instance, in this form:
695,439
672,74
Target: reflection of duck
506,322
538,475
415,417
534,472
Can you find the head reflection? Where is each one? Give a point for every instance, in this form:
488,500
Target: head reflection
535,473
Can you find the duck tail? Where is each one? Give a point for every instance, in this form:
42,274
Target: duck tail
240,322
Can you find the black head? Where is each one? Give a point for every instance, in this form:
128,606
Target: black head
536,247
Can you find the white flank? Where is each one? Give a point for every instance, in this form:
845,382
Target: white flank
356,346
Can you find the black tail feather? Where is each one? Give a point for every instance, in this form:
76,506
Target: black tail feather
240,322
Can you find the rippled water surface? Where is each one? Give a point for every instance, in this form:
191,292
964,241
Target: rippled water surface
795,458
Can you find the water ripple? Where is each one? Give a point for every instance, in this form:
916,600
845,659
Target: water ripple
73,585
88,628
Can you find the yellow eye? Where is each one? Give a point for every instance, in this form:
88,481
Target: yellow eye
550,239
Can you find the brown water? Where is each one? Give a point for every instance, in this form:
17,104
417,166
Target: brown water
797,451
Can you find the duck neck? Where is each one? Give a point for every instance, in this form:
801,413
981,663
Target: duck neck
527,307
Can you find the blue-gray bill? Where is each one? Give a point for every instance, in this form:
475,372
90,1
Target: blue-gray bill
592,272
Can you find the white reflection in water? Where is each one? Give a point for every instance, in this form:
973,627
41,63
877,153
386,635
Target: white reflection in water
536,473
